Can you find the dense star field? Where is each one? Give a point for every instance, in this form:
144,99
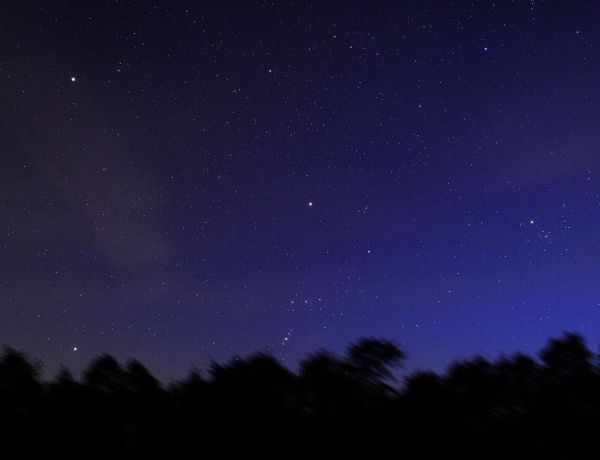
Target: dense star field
185,181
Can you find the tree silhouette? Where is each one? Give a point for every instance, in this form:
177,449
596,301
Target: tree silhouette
17,373
567,357
335,406
140,380
106,375
370,360
21,402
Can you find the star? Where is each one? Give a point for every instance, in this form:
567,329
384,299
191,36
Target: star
74,348
73,79
310,204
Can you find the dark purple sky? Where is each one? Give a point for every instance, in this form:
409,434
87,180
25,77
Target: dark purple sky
181,182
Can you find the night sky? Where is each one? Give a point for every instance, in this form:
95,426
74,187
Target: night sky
186,181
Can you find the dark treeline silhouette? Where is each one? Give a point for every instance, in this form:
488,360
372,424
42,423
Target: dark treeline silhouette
334,407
